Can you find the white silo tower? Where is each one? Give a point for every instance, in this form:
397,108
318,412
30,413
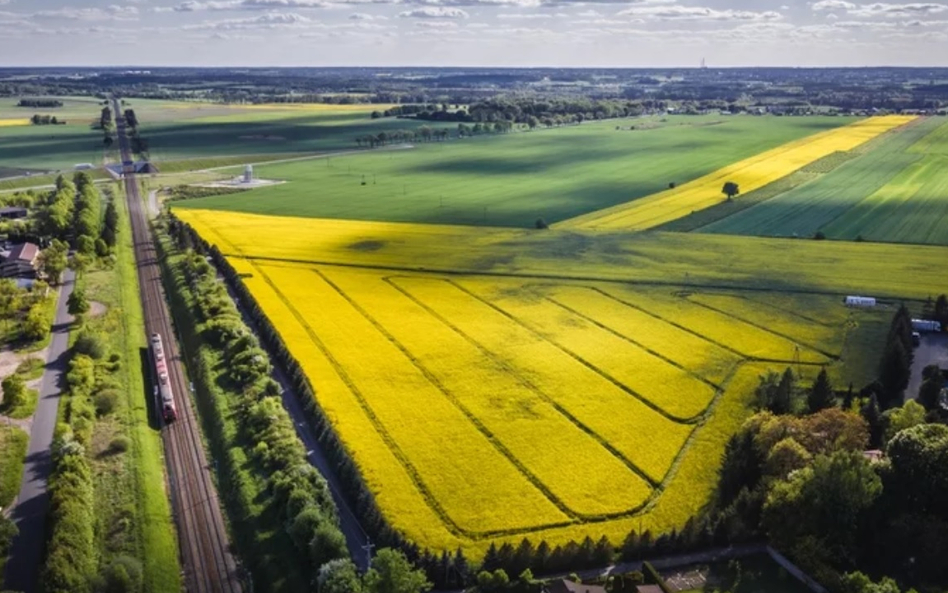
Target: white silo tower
248,174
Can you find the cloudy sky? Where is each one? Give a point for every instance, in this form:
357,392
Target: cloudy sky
472,32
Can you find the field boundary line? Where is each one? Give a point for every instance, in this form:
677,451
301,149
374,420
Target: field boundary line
794,341
744,357
782,310
410,469
580,359
472,418
467,273
608,377
654,484
635,343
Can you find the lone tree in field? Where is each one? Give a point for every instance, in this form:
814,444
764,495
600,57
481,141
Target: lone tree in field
731,189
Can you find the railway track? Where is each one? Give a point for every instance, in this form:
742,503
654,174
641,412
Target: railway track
208,564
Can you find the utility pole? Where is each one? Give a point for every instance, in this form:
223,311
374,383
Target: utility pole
368,547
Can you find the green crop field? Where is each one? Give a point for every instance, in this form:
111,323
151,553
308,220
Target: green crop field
195,130
896,192
514,179
44,148
177,131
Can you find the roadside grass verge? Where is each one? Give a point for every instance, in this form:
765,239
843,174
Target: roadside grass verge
133,515
13,445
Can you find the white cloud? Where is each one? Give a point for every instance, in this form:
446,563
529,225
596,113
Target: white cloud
109,13
898,10
832,5
218,5
697,13
517,3
432,12
362,16
524,16
440,25
270,20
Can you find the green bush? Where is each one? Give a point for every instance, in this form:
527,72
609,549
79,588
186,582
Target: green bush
106,402
122,575
90,344
120,444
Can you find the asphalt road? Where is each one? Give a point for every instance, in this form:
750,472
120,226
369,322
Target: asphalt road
932,350
22,572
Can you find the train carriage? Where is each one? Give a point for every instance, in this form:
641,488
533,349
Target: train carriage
163,392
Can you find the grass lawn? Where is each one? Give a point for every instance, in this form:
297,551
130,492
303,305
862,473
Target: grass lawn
132,508
895,192
513,180
13,445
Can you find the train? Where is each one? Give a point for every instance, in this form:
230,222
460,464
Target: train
163,392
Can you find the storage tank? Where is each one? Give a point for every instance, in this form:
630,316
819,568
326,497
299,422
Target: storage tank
248,174
858,301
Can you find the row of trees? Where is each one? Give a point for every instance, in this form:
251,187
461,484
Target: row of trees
40,103
299,500
422,134
46,120
107,126
73,563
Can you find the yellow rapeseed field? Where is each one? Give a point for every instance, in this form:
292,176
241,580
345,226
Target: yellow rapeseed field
6,123
486,409
691,259
750,174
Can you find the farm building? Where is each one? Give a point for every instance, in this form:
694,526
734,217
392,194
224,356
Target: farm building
566,586
13,213
20,261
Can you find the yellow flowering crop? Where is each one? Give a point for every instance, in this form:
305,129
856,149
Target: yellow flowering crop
786,323
671,388
750,174
5,123
484,409
704,358
725,330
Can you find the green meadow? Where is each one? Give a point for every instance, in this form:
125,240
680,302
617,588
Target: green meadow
32,148
896,192
515,179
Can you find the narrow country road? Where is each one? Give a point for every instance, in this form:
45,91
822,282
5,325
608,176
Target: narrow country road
932,350
357,541
29,514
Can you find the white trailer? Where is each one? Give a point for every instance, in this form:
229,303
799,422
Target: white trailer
926,325
859,301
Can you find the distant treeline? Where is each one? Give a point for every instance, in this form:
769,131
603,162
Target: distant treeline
529,111
46,120
40,103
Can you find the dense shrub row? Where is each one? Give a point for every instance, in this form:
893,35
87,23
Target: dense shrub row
72,563
257,432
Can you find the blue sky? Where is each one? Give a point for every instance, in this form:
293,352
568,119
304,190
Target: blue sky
472,32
